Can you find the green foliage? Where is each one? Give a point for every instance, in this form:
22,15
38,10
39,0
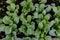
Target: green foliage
2,27
40,25
48,9
8,30
47,17
7,20
43,1
27,6
34,19
10,1
11,7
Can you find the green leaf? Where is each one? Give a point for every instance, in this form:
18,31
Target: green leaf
14,26
22,29
26,38
40,25
41,38
43,1
41,7
10,1
24,21
17,6
58,38
16,9
44,22
37,33
57,14
8,37
8,30
44,12
2,27
52,32
40,16
48,9
54,9
46,28
42,35
25,11
51,23
58,7
57,32
23,3
14,15
48,38
27,6
21,17
8,13
37,7
35,38
18,39
32,7
30,29
47,17
11,7
16,19
36,15
29,0
59,26
57,20
29,17
7,20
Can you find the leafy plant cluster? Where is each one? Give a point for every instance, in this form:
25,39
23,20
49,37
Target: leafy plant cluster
35,19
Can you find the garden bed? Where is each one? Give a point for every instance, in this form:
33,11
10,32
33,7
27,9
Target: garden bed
30,19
